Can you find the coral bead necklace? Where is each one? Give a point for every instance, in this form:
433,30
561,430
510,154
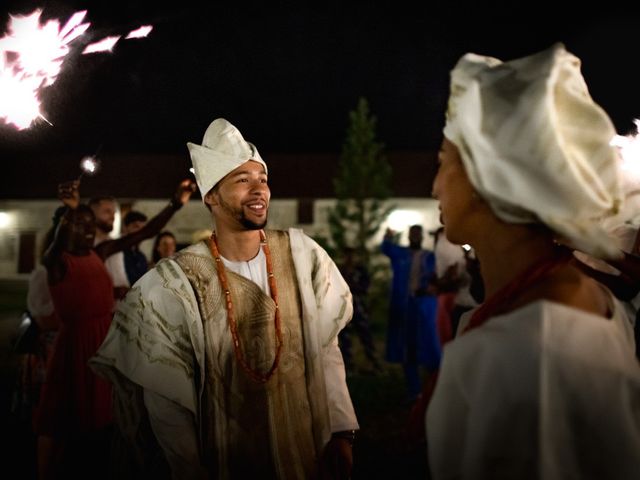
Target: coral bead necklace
233,327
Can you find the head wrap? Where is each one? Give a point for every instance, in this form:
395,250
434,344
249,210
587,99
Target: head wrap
223,149
535,145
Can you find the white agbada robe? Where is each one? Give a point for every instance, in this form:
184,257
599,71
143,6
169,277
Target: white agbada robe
165,371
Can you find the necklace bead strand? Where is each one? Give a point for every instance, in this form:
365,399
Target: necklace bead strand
233,327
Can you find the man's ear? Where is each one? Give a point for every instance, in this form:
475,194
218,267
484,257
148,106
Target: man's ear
210,199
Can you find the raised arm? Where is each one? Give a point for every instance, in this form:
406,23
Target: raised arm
389,246
153,227
69,195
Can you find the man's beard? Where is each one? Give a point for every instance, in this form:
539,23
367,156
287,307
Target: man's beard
105,227
240,217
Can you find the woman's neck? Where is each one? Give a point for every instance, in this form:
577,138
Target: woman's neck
509,251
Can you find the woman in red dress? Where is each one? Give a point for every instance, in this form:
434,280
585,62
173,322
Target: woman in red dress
75,405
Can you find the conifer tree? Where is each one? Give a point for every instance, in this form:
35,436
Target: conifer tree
362,185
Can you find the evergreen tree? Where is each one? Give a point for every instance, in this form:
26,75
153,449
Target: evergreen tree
361,186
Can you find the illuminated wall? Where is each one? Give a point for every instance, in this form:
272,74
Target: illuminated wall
23,224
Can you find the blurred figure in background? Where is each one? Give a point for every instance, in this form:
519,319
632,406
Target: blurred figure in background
104,210
412,337
36,349
164,246
73,417
453,282
446,281
135,262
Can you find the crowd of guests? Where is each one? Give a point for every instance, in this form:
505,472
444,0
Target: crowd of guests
72,296
522,316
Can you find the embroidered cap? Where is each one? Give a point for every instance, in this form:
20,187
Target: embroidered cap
223,149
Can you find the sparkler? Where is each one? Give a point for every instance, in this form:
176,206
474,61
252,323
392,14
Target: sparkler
140,32
102,46
630,151
32,54
89,165
629,148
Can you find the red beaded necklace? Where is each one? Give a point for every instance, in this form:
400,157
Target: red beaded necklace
222,276
495,304
491,307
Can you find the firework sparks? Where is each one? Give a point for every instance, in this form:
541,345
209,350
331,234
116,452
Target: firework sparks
141,32
104,45
32,54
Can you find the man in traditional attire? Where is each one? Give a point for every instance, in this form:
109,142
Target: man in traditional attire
227,355
412,337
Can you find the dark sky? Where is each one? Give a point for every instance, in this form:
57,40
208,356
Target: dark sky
287,75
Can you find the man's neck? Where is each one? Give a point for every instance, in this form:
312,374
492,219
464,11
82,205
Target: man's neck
101,236
238,245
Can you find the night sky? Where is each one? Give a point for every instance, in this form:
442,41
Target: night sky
287,76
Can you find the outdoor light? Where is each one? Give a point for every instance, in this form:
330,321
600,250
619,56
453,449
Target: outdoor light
5,219
401,220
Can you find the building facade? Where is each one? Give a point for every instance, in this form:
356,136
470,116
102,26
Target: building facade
24,223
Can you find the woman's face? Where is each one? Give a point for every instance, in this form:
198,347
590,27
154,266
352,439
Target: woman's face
166,246
458,200
81,231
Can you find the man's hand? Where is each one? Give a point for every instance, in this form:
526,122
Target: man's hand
184,191
69,193
337,460
389,234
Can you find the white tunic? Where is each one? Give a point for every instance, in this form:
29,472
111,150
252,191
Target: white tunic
39,301
254,269
546,391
